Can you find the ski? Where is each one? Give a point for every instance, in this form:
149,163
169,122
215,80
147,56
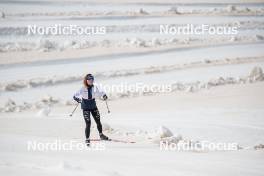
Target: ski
114,140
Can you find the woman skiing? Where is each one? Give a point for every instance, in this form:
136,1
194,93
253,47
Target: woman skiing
86,96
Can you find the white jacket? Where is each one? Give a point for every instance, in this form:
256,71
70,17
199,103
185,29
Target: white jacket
83,93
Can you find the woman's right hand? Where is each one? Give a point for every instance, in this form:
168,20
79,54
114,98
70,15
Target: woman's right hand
78,100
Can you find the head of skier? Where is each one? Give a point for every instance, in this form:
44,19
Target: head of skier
88,80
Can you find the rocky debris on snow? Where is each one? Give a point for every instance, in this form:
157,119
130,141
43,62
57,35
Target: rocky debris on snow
143,12
257,74
217,81
230,8
171,139
2,15
174,10
49,100
16,85
12,106
259,147
36,82
47,45
138,42
191,88
155,42
259,37
105,43
46,101
233,39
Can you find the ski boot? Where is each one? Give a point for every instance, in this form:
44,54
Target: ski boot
103,137
87,142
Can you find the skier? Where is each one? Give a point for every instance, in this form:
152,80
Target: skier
86,96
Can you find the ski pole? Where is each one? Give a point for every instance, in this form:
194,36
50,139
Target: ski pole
74,109
107,106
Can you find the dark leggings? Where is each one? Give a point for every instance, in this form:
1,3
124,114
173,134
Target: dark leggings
96,115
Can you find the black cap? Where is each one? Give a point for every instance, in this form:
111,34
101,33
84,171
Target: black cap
89,77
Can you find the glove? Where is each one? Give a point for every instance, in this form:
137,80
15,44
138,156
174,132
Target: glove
105,97
78,100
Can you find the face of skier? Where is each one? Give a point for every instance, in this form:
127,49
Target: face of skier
90,81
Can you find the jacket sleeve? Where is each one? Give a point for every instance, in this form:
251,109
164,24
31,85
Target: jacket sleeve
98,93
78,94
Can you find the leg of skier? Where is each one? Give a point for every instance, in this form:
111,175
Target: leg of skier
96,116
86,115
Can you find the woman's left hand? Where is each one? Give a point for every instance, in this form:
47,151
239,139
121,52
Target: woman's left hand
105,97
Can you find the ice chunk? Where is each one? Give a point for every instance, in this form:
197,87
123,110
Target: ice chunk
163,132
44,111
256,74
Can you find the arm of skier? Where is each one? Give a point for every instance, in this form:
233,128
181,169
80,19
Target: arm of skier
78,96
